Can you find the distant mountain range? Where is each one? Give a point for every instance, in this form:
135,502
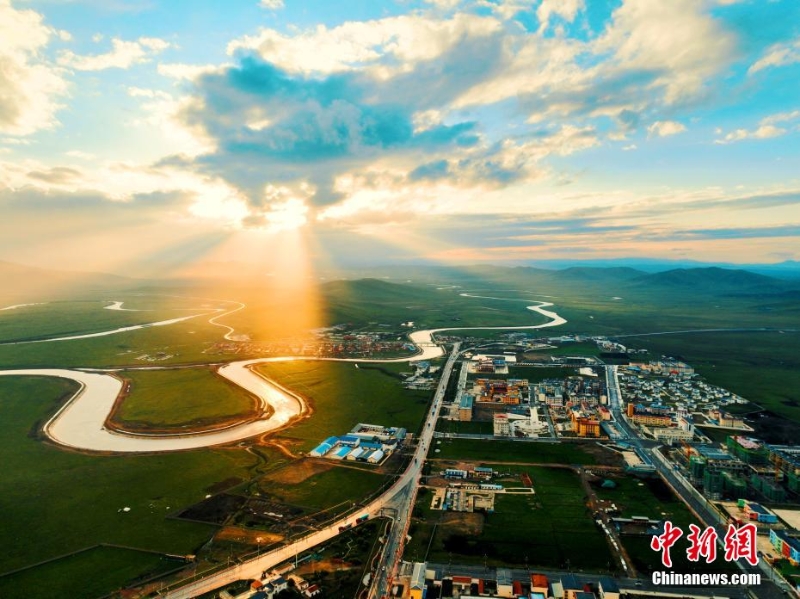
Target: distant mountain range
26,281
785,269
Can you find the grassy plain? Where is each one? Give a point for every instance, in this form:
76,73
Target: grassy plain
55,502
653,499
514,451
552,528
194,397
86,575
326,489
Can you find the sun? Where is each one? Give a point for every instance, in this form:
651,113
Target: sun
286,216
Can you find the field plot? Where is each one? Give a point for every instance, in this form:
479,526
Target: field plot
87,575
653,499
342,396
55,502
520,451
193,398
552,528
324,489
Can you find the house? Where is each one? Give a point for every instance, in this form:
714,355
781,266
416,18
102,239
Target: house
571,586
608,588
539,584
417,584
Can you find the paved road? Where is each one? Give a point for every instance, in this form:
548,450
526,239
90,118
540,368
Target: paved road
768,589
398,497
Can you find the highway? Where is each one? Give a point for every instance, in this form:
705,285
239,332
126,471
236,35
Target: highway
398,499
768,589
397,503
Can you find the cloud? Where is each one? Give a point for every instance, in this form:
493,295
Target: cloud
394,44
308,129
566,9
767,128
31,88
675,40
665,128
777,55
123,55
56,176
271,4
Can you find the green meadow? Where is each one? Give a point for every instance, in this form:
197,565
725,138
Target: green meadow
190,397
56,502
342,395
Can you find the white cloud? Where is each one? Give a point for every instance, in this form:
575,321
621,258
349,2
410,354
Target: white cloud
566,9
30,86
666,128
271,4
123,55
674,37
777,56
176,70
781,117
766,128
408,39
761,132
653,53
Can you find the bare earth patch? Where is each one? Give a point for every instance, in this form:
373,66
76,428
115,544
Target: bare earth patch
245,536
297,472
463,523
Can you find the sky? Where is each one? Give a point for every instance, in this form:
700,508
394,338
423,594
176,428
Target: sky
144,135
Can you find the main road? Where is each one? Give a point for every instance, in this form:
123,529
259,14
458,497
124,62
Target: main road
768,589
399,497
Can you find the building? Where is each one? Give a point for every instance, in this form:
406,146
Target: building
653,415
583,424
539,584
756,511
417,583
502,426
608,588
672,435
571,586
465,406
747,449
505,586
787,546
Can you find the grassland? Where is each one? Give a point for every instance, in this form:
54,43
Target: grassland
342,396
326,489
58,319
86,575
55,502
653,499
469,428
514,451
195,397
551,529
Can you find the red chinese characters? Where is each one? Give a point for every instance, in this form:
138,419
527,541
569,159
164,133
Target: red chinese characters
665,541
702,544
741,543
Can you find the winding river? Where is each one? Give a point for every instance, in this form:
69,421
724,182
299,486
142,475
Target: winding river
80,423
